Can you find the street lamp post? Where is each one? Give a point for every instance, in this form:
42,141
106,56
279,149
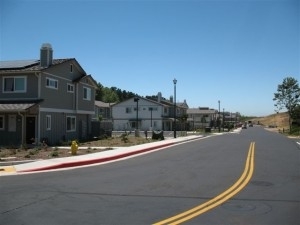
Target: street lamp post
136,99
219,118
223,119
174,82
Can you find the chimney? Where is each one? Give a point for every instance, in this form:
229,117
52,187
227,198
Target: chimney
171,99
159,97
46,55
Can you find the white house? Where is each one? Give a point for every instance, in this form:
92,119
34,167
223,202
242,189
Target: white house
199,118
146,114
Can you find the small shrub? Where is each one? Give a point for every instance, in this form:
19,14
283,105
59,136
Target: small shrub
54,153
24,146
124,138
156,135
34,151
12,151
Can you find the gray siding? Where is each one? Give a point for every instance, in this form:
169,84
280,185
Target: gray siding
56,98
58,133
87,105
8,138
31,88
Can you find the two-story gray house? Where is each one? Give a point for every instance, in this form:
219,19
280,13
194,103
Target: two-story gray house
48,99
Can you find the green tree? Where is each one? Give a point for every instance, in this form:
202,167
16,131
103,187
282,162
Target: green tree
287,97
109,95
99,92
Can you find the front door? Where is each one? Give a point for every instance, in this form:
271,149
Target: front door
30,130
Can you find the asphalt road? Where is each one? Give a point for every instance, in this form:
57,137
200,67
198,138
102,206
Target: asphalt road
153,187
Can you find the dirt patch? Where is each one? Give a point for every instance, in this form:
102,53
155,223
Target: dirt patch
278,121
47,152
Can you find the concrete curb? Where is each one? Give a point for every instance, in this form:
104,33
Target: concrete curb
70,162
93,161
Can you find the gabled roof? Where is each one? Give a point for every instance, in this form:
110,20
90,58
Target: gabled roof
169,103
201,111
89,78
103,104
146,99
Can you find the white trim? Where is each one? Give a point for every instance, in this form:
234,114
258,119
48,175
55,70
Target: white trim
88,96
48,122
12,123
50,86
71,117
67,111
58,77
71,85
85,112
57,110
14,91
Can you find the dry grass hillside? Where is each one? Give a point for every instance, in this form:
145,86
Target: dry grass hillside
279,120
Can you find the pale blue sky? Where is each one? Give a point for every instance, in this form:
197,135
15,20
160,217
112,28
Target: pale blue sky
235,51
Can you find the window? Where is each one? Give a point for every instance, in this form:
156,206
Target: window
86,93
71,68
51,83
12,123
165,110
48,122
152,109
14,84
1,122
128,110
71,123
70,88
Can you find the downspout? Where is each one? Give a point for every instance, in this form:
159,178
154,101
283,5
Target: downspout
38,75
39,126
76,97
23,128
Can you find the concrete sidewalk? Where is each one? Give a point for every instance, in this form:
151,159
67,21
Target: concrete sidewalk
91,159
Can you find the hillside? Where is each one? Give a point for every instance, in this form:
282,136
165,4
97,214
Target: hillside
279,120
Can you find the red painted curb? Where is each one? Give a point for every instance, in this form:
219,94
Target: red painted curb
94,161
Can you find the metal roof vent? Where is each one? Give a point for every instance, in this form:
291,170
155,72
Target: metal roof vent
46,55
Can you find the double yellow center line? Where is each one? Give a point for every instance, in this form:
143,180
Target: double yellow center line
218,200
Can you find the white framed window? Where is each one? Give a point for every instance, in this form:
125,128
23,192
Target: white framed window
1,122
152,108
128,110
48,122
70,88
71,123
51,83
12,123
16,84
87,93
